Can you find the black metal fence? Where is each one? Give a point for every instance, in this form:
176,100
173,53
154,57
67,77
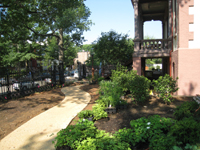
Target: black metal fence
14,84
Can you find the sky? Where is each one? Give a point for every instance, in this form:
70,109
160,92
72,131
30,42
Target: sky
116,15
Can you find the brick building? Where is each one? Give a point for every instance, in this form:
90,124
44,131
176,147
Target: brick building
179,47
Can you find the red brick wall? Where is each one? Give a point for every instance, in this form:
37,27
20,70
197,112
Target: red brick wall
137,64
189,72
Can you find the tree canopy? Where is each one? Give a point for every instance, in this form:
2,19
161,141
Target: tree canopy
113,48
26,24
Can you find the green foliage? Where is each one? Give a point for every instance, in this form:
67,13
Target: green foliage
123,77
187,147
186,109
162,142
106,142
72,135
164,87
84,135
125,135
85,114
139,88
100,79
146,128
27,24
98,111
186,130
112,93
113,48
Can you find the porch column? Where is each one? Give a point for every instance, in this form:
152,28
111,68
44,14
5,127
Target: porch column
169,19
137,25
163,29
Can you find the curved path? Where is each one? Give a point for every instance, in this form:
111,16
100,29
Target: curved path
39,132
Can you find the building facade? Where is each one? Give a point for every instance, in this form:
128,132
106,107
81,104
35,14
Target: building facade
179,47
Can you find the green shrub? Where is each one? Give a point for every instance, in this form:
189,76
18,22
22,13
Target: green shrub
105,143
139,88
164,87
73,135
98,111
162,142
125,135
112,92
85,114
100,79
146,128
186,109
186,130
187,147
123,77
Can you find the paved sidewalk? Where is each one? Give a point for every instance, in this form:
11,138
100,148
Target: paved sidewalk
39,132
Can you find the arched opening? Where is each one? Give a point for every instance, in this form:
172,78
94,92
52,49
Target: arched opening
153,68
152,30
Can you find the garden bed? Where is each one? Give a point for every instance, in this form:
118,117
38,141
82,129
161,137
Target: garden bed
122,118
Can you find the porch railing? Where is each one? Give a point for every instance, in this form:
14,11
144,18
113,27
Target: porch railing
155,44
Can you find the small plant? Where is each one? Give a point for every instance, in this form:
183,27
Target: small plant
85,114
186,109
98,111
164,87
112,92
186,130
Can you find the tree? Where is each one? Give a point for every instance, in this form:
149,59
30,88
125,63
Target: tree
39,19
51,51
113,48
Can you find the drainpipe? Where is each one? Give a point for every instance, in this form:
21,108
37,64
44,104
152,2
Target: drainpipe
170,64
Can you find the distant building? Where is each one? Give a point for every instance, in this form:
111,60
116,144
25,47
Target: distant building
81,57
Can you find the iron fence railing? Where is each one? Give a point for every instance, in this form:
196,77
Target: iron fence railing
20,83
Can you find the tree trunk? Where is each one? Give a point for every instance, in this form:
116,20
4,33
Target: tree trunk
61,53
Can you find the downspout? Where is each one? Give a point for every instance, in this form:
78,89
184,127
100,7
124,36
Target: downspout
170,59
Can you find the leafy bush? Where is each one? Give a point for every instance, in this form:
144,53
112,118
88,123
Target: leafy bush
72,135
100,79
164,87
106,142
125,135
139,88
187,147
162,142
98,111
146,128
186,130
186,109
123,77
112,92
85,114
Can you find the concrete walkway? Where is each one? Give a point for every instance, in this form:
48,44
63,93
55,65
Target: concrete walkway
39,132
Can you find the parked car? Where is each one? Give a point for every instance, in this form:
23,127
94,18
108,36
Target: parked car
72,72
48,80
25,85
4,81
66,73
76,74
45,75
